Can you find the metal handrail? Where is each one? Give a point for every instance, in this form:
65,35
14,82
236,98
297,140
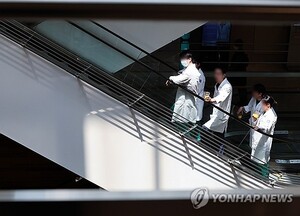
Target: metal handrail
133,45
179,86
91,74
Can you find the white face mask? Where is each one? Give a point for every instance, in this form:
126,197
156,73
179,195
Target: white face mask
185,62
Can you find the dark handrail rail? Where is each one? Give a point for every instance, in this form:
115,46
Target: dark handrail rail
143,64
89,73
180,86
133,45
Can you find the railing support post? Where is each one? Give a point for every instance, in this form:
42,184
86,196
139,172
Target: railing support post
25,43
188,152
134,117
137,100
236,178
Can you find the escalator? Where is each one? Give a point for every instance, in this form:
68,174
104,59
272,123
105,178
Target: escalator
137,81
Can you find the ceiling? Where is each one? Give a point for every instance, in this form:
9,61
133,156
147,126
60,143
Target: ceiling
266,10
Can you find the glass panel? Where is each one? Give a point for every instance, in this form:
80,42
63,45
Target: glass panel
149,74
83,45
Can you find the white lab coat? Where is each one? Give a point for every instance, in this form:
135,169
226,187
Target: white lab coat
253,107
261,144
219,120
199,102
185,108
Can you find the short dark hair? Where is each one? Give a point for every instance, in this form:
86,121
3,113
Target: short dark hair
239,43
186,54
260,88
222,69
198,65
269,100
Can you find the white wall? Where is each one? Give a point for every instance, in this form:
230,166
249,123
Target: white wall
86,131
150,34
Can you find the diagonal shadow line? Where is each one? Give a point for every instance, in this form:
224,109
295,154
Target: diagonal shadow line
215,167
208,173
199,150
19,52
9,58
203,162
117,121
250,178
209,159
149,139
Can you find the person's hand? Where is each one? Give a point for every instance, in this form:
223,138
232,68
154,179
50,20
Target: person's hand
256,128
212,100
168,82
240,110
207,99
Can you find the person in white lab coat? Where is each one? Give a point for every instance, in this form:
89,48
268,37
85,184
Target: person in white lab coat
222,98
254,106
199,102
262,144
185,110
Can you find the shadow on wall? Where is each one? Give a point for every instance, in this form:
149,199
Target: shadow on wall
27,63
61,106
164,140
45,103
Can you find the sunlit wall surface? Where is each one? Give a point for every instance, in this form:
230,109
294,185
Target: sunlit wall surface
107,142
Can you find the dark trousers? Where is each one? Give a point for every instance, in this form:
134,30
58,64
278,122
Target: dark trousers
222,136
